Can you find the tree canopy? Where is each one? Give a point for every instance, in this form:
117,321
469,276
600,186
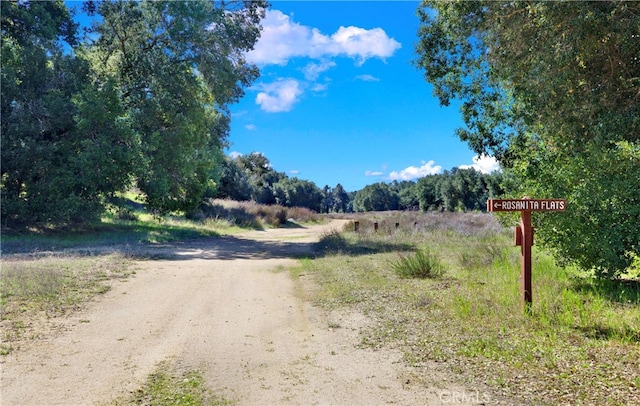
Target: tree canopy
178,64
61,156
552,89
143,99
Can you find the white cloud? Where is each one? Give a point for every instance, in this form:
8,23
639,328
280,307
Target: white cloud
313,70
483,163
278,96
250,127
234,154
293,172
367,78
282,39
319,87
413,172
362,44
373,173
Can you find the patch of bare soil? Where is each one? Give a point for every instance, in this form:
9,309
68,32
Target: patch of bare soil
218,307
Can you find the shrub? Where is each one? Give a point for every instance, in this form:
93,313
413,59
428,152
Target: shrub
281,217
332,242
126,214
423,264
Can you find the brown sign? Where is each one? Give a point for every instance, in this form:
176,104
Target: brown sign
526,205
524,233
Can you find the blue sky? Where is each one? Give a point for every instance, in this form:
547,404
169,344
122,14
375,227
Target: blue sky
339,101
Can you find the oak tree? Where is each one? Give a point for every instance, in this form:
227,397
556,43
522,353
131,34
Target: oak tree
552,89
178,64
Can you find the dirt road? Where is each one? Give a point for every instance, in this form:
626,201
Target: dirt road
220,307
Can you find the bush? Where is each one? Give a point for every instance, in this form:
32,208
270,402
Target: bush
332,242
423,264
281,217
126,214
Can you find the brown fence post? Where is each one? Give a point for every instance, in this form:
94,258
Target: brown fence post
525,263
356,226
375,226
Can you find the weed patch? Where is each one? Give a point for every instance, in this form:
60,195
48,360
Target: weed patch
168,386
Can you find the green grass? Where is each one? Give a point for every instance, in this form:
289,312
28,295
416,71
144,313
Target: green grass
169,387
579,345
422,264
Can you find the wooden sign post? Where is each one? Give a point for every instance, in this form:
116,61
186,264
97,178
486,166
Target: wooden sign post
524,233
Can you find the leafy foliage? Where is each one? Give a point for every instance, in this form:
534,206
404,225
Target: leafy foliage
455,190
54,165
293,192
251,177
262,177
556,102
178,65
460,189
143,98
376,197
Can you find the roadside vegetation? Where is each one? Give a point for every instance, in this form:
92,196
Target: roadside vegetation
129,223
50,272
36,291
442,287
169,386
579,345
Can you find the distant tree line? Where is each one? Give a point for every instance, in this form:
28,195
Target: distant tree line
251,177
454,190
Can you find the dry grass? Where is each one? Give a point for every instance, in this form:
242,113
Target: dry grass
253,215
34,292
579,345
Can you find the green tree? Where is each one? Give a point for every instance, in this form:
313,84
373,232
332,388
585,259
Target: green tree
262,177
327,199
339,199
294,192
234,181
406,191
428,192
550,89
376,197
61,156
179,64
460,189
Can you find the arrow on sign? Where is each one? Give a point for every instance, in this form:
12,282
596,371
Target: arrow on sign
526,205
